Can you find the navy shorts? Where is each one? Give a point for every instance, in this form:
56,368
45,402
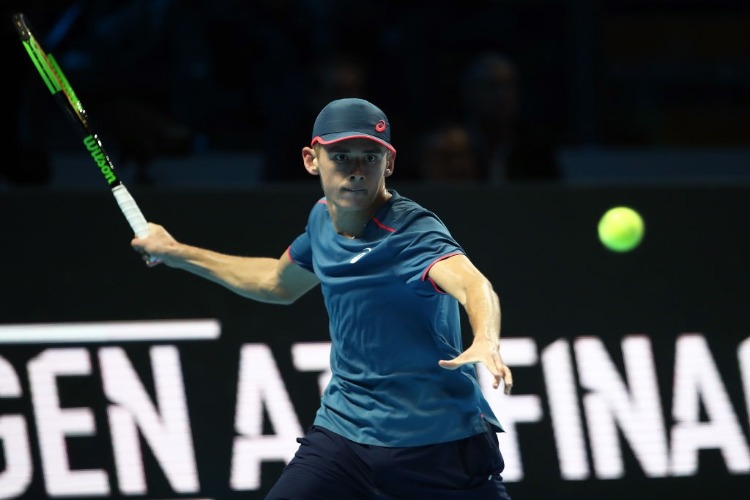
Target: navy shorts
330,467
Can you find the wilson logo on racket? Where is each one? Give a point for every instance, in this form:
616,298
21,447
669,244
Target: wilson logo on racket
92,144
54,78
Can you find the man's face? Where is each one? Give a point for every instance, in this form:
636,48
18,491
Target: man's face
495,93
352,172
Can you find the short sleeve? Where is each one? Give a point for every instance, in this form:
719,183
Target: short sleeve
300,251
425,242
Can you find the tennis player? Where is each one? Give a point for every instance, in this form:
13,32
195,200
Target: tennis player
403,415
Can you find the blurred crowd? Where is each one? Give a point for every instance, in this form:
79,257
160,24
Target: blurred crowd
476,91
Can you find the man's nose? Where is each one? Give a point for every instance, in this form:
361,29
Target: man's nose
357,172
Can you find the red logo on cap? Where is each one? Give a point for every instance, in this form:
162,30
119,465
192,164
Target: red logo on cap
380,126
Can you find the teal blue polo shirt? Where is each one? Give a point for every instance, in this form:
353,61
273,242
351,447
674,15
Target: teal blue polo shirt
389,326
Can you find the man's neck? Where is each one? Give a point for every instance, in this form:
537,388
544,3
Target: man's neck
352,223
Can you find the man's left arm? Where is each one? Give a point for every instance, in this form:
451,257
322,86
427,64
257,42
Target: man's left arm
458,277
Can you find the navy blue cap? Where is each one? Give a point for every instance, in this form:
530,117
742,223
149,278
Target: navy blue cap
352,118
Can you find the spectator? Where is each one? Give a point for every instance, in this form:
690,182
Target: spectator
508,148
447,154
335,76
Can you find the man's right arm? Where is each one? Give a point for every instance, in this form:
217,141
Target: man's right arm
265,279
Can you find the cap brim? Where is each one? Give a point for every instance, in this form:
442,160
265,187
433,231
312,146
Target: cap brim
343,136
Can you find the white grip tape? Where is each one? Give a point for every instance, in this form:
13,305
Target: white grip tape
131,211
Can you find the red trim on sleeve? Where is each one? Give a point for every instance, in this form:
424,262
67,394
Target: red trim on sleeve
289,253
427,270
437,288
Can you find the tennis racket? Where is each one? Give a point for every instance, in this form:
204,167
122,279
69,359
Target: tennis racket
60,88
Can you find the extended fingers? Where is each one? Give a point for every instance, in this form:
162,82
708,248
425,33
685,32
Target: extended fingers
501,373
508,380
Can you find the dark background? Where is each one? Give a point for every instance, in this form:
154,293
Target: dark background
204,107
168,79
538,245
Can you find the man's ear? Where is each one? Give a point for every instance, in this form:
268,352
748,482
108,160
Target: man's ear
389,164
310,160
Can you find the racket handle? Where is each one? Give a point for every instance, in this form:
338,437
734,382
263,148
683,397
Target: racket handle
131,210
134,216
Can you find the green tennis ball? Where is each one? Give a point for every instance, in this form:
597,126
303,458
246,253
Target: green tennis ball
621,229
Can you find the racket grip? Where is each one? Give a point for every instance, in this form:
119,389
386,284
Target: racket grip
130,210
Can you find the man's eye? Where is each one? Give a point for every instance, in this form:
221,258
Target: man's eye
339,157
371,158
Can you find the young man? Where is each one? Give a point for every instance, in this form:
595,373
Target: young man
403,415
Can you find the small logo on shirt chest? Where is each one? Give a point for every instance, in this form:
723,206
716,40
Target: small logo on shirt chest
360,255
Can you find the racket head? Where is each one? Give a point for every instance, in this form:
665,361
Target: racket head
60,88
22,26
48,69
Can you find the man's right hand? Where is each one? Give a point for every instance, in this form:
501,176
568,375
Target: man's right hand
156,246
